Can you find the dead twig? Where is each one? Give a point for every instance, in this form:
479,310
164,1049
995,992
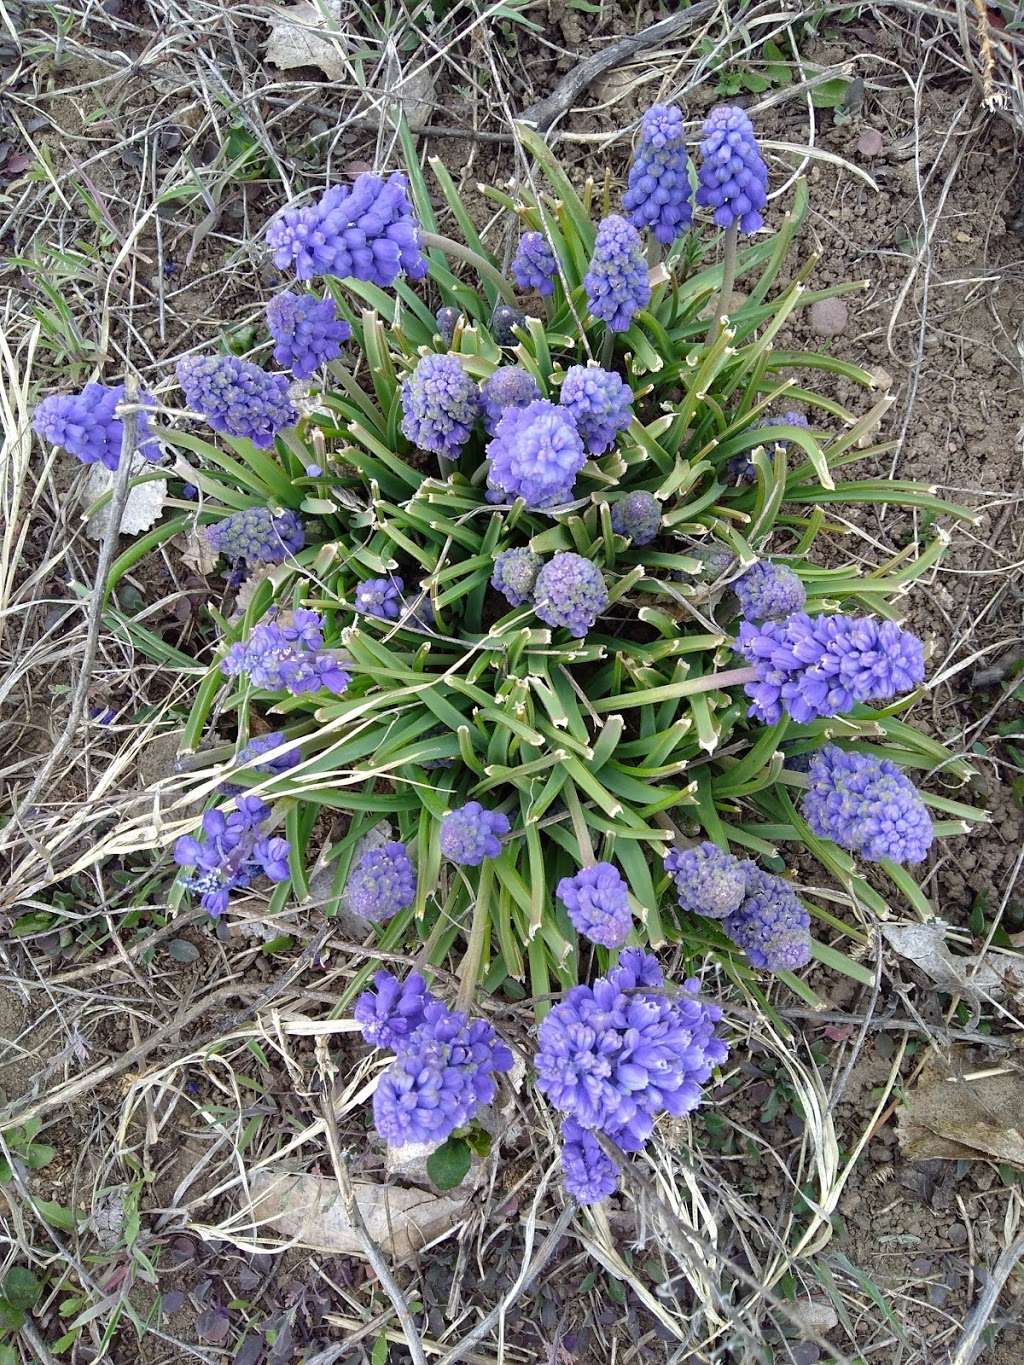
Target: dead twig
965,1352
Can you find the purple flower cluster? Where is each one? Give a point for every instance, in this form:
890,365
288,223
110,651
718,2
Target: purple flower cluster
508,387
600,404
440,405
769,590
266,746
759,912
770,925
381,597
615,1055
534,265
515,575
638,516
472,833
445,1063
616,283
597,900
709,881
590,1175
382,882
810,667
287,655
366,232
535,454
388,1015
84,424
236,397
570,592
733,179
307,330
658,194
257,536
233,850
866,805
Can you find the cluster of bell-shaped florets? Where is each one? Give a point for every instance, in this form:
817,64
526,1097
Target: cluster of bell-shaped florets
87,426
287,654
567,590
232,850
809,667
381,882
445,1064
760,912
614,1056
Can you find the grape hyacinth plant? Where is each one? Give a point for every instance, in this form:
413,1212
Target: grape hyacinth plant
600,738
257,536
307,332
87,426
659,196
236,397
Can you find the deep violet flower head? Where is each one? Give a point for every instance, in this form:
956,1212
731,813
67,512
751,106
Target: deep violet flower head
446,319
363,232
84,424
709,881
597,900
443,1073
534,265
615,1055
658,195
770,925
616,283
815,666
769,590
535,454
504,321
440,405
266,747
257,536
588,1173
515,575
638,516
733,179
232,850
381,597
599,402
236,397
393,1010
508,387
382,882
867,805
287,655
742,468
570,592
471,833
307,332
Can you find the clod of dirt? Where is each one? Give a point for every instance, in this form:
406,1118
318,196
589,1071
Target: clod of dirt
828,317
870,143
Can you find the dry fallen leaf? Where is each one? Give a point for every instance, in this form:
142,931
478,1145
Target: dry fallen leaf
143,507
959,1111
308,34
997,974
313,33
197,552
309,1209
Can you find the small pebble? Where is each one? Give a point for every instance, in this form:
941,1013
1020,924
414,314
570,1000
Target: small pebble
957,1234
829,317
870,143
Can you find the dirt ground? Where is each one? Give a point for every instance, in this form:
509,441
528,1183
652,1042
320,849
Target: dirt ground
918,190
